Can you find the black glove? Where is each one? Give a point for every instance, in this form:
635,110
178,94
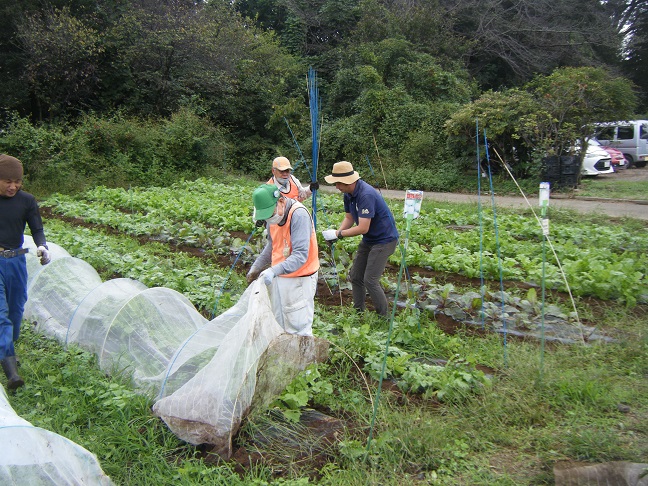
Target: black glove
259,223
314,186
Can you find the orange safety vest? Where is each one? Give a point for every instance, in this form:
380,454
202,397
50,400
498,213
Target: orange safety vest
293,192
282,246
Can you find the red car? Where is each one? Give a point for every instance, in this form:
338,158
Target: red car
618,161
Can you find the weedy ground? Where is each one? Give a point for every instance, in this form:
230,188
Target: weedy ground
541,405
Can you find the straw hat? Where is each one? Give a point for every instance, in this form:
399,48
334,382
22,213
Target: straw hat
342,172
281,163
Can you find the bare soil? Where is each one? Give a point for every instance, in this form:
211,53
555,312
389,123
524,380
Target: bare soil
632,174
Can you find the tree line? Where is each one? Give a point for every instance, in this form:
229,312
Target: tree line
401,81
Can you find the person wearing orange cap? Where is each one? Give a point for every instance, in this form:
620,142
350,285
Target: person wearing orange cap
289,262
288,184
17,209
366,215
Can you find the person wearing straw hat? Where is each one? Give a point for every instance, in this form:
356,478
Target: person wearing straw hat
17,209
289,262
366,214
288,184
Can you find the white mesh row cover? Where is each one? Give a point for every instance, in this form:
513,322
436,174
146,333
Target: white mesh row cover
33,264
126,324
55,291
34,456
212,379
203,372
134,328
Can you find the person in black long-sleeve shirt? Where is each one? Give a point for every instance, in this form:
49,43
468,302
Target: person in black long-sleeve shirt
17,209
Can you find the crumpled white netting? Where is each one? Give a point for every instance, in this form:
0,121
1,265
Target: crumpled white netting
203,372
212,381
31,455
212,378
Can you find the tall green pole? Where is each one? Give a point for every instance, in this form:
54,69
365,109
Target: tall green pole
413,200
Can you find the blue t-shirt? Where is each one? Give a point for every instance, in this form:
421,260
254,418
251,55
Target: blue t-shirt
367,202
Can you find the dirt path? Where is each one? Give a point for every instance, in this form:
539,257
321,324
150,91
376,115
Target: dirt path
611,207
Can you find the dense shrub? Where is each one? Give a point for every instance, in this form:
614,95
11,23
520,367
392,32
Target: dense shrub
33,145
254,156
192,143
445,178
115,151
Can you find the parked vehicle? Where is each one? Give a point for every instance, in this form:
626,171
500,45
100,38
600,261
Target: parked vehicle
630,137
617,159
596,161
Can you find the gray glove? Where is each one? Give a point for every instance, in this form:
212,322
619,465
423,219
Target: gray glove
267,276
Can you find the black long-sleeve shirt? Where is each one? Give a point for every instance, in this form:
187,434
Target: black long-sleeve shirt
15,213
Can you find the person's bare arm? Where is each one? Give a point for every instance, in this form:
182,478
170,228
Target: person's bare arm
347,229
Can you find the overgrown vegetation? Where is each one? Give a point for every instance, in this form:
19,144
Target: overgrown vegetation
121,94
118,151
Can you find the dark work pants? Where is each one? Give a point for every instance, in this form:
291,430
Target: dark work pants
368,267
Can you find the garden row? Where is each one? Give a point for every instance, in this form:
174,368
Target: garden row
125,232
607,261
208,286
154,264
433,370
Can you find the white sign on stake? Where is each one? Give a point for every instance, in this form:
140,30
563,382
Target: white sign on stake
413,200
544,194
544,204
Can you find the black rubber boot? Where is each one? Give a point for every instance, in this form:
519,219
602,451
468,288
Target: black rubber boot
10,369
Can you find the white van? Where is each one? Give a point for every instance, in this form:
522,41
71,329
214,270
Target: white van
630,137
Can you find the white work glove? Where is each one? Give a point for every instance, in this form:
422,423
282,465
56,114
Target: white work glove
330,235
267,275
44,255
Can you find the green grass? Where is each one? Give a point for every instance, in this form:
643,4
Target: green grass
68,394
614,189
542,407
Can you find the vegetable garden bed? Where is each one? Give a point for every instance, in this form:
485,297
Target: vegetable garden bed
176,242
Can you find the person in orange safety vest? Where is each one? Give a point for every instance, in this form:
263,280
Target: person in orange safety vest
288,184
289,262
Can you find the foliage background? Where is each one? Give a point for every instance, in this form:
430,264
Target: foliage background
134,90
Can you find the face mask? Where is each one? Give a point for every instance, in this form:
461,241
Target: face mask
274,219
282,180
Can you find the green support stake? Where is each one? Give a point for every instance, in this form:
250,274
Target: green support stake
413,200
